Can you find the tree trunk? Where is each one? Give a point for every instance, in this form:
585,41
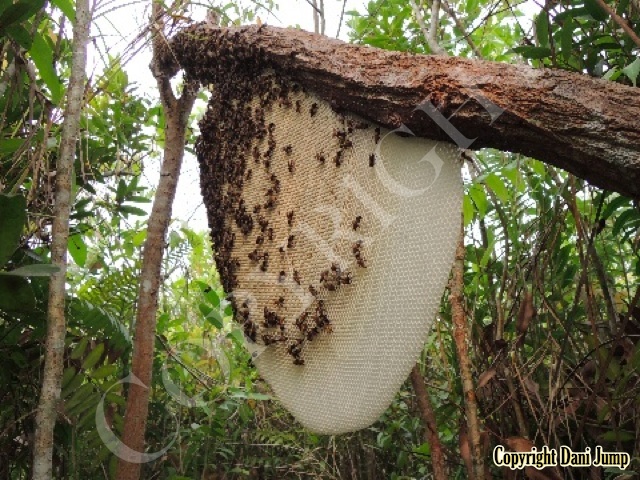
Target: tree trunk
429,420
461,338
176,112
56,322
585,125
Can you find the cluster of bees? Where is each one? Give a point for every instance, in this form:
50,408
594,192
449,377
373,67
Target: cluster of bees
238,145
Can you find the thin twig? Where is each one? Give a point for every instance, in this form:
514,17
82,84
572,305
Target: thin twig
620,21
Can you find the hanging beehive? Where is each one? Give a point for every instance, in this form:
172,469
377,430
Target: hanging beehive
333,236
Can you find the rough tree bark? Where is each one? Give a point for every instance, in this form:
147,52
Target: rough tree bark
429,420
56,320
585,125
176,112
461,339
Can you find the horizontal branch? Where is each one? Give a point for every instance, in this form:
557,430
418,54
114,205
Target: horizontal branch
584,125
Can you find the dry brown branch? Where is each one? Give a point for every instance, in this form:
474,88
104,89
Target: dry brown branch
431,426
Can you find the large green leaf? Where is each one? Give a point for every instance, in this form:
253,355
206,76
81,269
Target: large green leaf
18,12
16,295
632,70
13,216
42,55
34,270
77,249
67,8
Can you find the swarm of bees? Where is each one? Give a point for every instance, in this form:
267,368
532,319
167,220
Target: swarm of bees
238,150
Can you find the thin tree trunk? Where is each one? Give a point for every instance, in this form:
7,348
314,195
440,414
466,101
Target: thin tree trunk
461,337
56,322
176,112
429,420
585,125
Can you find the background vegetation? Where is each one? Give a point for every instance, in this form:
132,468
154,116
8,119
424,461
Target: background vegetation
550,275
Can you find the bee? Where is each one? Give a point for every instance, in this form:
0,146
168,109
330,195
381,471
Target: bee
265,262
320,157
291,241
256,154
288,149
270,338
254,256
313,110
301,321
313,291
280,301
346,278
312,333
271,127
282,276
292,166
356,222
281,249
249,174
263,222
257,208
290,218
372,160
270,234
298,361
295,349
338,158
377,135
259,240
296,276
250,330
267,164
298,105
356,248
362,125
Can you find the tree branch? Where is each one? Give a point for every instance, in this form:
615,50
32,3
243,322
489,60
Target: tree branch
585,125
56,320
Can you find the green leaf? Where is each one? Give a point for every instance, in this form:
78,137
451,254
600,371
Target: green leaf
121,191
467,210
620,435
77,249
495,183
18,12
16,295
632,70
10,145
104,371
595,10
13,216
535,53
128,209
622,220
566,38
542,29
68,375
20,35
211,315
67,8
35,270
42,56
479,197
236,337
93,357
212,297
79,349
